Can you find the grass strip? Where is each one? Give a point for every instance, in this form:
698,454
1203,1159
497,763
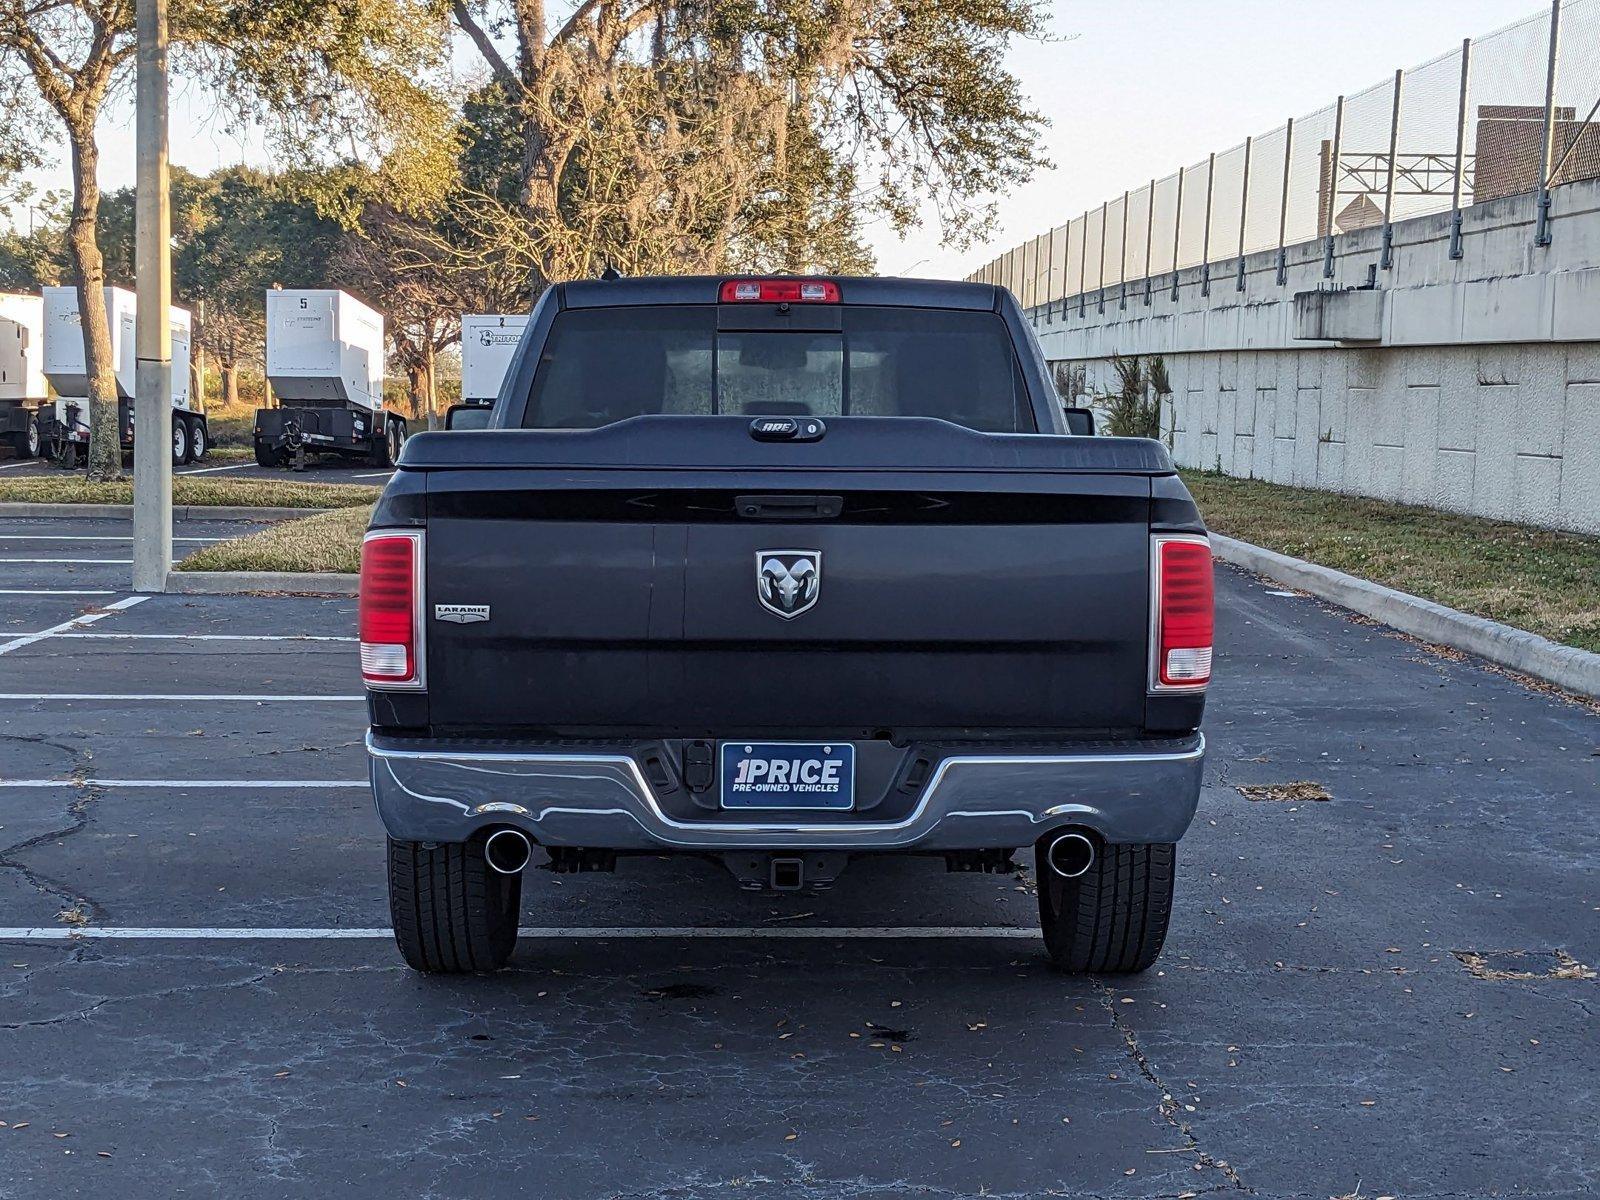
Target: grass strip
328,541
1541,580
251,493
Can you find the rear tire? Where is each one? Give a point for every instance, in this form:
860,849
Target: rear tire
386,444
180,441
266,455
1113,918
26,443
452,913
199,442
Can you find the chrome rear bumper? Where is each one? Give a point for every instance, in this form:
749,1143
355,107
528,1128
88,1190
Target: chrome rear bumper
446,791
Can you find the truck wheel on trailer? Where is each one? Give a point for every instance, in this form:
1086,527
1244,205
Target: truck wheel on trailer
452,912
1104,908
199,440
26,443
180,441
386,446
267,455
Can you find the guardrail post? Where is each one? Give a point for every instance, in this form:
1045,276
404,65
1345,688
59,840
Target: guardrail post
1283,203
1333,187
1205,239
1386,260
1122,263
1030,271
1149,235
1100,291
1456,250
1083,267
1049,274
1541,235
1244,210
1177,231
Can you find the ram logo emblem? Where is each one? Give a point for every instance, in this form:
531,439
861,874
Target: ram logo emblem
788,581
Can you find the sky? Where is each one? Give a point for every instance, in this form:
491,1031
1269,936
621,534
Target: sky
1133,89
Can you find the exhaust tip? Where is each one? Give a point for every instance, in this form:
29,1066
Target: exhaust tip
508,851
1070,855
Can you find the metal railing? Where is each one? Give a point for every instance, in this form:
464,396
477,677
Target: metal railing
1506,114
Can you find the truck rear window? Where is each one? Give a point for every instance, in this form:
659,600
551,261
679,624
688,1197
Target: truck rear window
607,364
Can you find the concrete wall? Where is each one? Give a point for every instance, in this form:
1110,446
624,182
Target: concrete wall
1479,391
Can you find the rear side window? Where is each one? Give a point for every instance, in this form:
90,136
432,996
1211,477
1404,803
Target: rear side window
608,364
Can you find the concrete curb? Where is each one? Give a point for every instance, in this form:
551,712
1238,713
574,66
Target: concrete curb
1565,666
229,583
180,512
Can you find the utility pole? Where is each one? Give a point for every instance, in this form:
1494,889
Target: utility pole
152,406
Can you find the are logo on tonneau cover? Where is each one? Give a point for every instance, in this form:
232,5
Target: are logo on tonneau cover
788,582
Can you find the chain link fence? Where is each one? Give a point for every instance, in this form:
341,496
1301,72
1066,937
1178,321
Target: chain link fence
1514,112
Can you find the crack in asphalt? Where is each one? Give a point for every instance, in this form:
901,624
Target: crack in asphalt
85,795
1583,1005
1168,1106
38,739
89,1010
805,1185
257,976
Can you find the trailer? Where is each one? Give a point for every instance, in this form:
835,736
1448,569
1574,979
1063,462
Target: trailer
23,391
64,426
325,365
488,340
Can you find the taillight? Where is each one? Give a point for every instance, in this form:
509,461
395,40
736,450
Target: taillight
788,291
390,609
1182,623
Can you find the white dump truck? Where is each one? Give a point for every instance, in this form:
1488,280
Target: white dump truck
488,340
23,390
325,365
64,427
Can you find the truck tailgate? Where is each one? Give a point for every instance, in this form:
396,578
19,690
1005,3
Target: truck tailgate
949,602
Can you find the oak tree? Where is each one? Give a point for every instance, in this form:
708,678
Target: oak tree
673,135
329,82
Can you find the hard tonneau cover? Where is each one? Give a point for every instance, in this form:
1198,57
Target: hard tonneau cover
880,444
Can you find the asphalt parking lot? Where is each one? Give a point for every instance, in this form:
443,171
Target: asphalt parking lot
318,470
1384,993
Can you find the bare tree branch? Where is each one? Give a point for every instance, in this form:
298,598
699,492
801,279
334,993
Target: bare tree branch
486,47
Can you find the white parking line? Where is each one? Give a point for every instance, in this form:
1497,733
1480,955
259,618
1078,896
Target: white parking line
76,562
202,697
90,537
173,784
211,637
374,475
85,619
209,470
50,933
56,592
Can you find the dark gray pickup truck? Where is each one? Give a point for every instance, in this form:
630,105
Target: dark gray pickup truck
781,573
